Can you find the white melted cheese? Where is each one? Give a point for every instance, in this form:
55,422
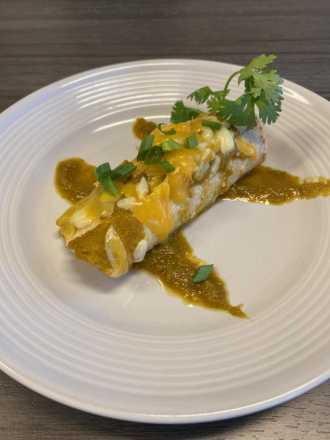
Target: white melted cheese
225,138
126,203
142,188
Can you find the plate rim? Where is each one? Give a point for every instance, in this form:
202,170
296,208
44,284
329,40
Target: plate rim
168,419
6,119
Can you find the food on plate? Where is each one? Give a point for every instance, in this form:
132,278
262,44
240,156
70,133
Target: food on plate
181,168
132,214
179,171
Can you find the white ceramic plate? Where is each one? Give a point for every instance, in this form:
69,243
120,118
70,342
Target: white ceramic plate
126,348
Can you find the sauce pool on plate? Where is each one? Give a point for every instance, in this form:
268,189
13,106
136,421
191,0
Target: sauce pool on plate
74,179
174,264
173,261
275,187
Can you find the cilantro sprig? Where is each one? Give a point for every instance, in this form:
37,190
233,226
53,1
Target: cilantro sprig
262,96
211,124
182,113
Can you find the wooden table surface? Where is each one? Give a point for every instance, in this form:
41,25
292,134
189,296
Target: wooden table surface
45,40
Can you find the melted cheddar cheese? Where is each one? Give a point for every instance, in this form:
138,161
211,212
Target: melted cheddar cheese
154,211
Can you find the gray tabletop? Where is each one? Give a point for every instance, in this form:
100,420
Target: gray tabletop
45,40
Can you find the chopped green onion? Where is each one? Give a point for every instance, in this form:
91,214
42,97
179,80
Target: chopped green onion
109,185
167,166
170,145
123,170
153,155
145,145
103,170
170,132
211,124
191,141
103,175
202,273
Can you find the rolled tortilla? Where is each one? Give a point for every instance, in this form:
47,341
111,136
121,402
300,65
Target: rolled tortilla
113,233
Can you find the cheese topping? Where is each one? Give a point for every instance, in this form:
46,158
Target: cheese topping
160,201
154,211
245,148
149,197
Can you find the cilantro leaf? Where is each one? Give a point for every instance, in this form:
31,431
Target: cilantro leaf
262,95
258,63
268,111
216,101
182,113
269,83
201,95
239,112
211,124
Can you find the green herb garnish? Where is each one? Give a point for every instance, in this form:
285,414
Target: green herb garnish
201,95
170,132
103,171
262,95
106,176
123,170
192,141
167,166
103,175
153,155
211,124
145,145
202,273
170,145
182,113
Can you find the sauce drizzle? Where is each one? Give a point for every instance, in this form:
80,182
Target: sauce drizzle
275,187
142,127
173,262
74,179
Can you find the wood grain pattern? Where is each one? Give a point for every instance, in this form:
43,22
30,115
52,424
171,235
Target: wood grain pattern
44,40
